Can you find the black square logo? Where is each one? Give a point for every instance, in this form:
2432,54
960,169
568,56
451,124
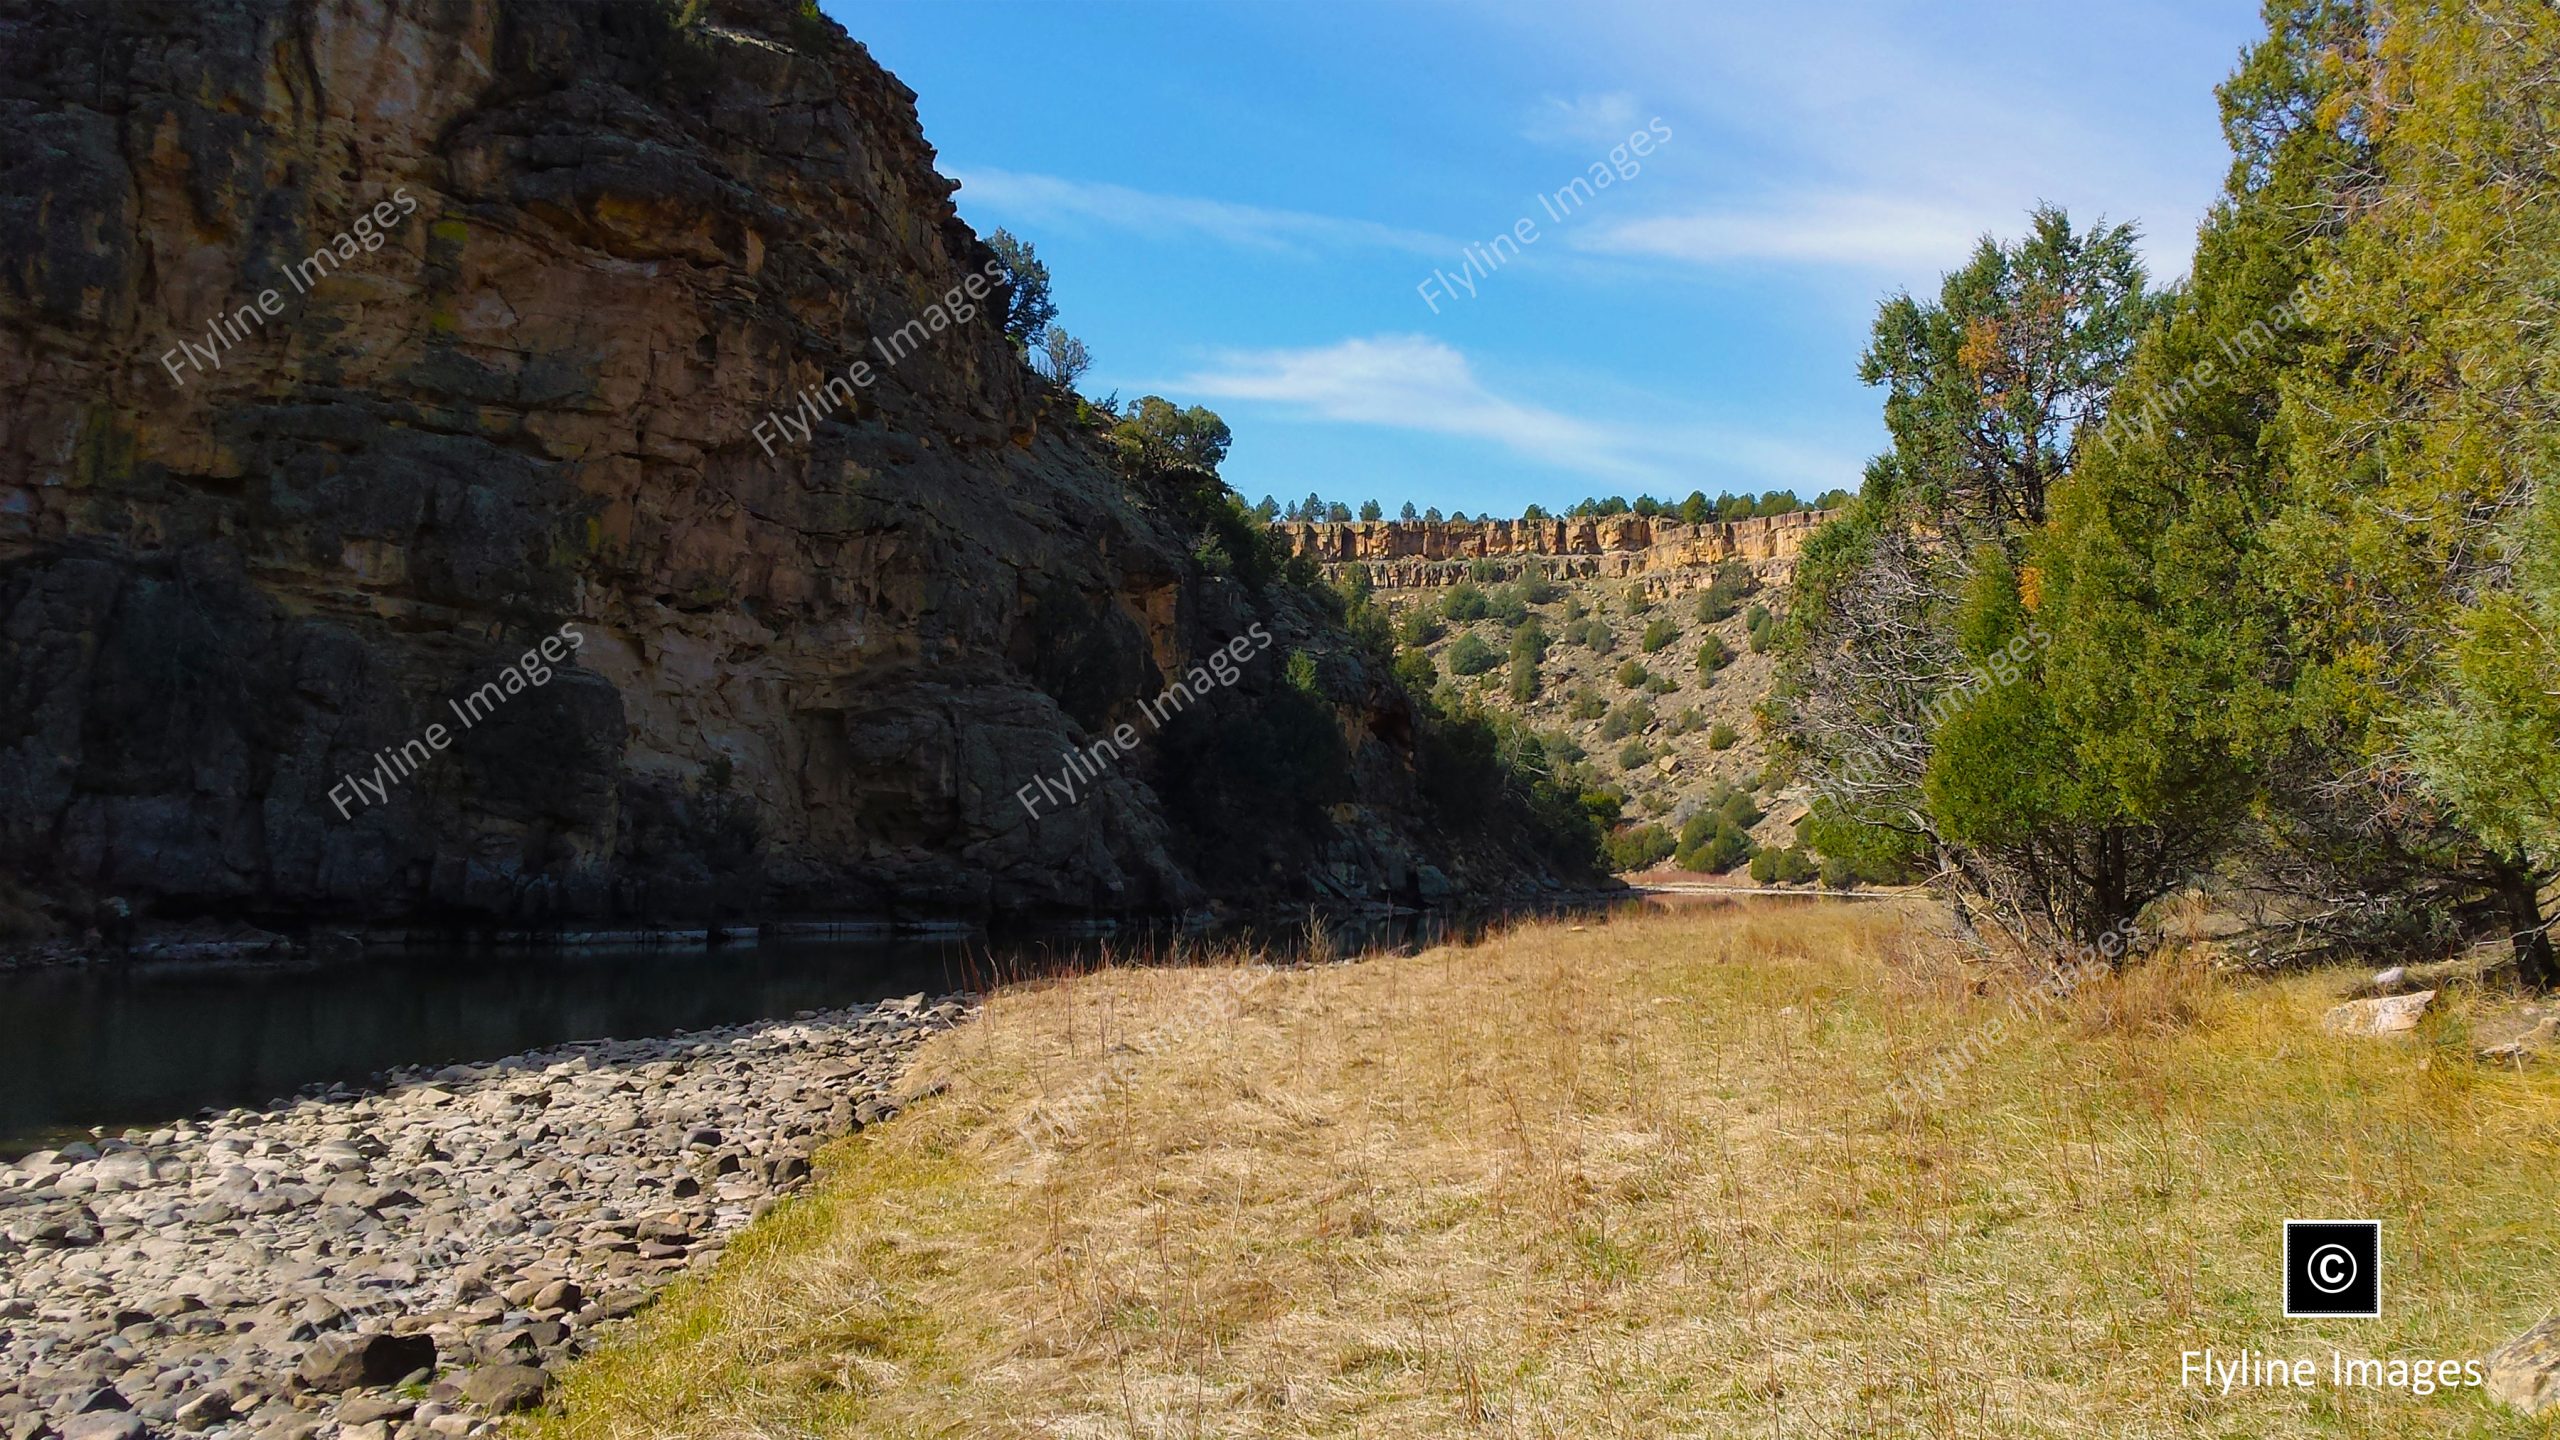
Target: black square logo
2332,1267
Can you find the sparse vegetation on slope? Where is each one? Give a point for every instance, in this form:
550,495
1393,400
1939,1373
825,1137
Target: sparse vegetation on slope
1641,697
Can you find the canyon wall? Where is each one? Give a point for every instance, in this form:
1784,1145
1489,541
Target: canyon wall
263,519
1669,557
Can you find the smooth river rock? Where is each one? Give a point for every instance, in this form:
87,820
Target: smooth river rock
277,1273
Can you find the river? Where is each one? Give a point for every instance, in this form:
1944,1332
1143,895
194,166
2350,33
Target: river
111,1046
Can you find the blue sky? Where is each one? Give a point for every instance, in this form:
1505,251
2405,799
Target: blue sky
1237,202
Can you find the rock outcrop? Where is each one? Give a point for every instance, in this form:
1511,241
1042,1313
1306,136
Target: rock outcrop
2525,1372
355,346
1676,735
1669,556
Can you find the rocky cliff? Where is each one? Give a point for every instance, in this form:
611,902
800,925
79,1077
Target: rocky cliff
353,347
1669,556
1675,734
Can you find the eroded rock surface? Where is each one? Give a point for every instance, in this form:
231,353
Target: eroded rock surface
2379,1018
608,250
1668,557
2525,1372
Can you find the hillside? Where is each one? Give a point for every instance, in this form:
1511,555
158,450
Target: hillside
1675,735
354,351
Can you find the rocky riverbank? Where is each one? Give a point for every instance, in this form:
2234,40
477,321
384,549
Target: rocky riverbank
406,1262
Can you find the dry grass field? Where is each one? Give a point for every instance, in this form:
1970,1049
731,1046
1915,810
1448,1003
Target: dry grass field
1636,1179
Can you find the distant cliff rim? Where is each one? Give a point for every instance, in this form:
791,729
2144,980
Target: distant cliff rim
1760,537
1673,557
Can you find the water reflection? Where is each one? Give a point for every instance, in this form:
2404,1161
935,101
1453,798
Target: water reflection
145,1044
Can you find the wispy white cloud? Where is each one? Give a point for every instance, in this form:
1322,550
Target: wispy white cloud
1416,383
1404,382
1601,120
1053,199
1891,136
1865,230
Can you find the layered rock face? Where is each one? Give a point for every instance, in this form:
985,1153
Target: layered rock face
355,346
1673,557
1671,747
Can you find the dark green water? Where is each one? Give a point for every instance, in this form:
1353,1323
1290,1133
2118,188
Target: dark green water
117,1046
146,1044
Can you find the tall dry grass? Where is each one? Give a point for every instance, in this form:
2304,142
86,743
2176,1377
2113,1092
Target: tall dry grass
1636,1180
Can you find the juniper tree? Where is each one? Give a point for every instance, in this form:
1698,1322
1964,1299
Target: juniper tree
1991,390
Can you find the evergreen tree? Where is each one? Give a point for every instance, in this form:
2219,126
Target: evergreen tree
2421,429
1028,308
1903,694
1155,437
1063,357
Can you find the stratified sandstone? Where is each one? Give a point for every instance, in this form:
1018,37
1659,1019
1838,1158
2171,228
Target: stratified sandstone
1670,556
813,679
1615,578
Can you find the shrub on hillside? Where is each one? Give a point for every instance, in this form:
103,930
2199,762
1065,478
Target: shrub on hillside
1633,674
1659,634
1720,846
1470,655
1722,736
1419,626
1724,594
1464,602
1639,847
1628,718
1524,679
1789,866
1713,655
1587,704
1737,806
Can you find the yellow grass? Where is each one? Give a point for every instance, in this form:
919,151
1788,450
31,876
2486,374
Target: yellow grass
1638,1179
